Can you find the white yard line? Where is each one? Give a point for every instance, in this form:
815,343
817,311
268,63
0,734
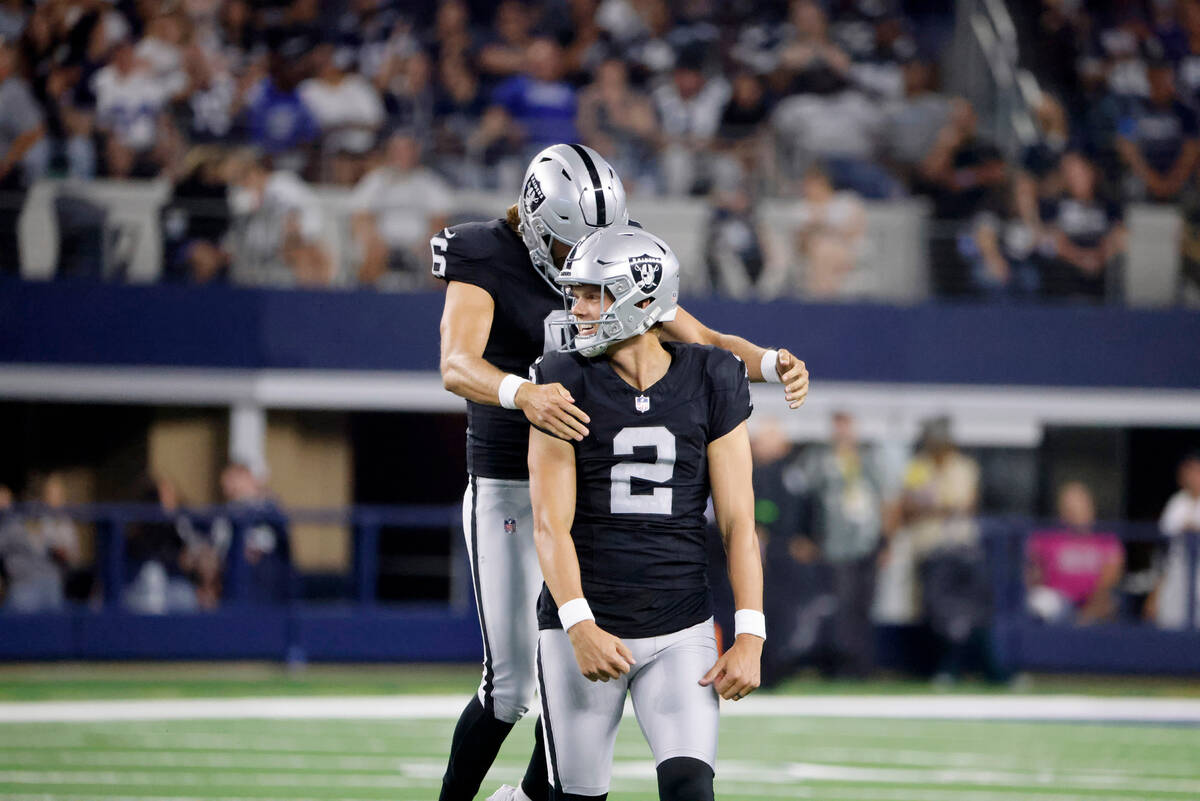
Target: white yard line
447,707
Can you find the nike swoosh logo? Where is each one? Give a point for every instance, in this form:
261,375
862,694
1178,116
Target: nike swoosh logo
449,234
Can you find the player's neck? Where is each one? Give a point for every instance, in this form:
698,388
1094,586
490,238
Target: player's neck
641,361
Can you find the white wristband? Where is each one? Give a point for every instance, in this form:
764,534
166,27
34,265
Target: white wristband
770,367
574,611
749,621
508,390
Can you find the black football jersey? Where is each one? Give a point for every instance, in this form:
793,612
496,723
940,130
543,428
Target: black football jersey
492,256
642,485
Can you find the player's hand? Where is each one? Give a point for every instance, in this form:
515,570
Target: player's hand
736,674
551,408
600,655
794,377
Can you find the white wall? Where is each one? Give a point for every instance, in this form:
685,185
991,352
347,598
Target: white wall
893,265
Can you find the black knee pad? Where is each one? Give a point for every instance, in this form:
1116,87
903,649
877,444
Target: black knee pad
685,779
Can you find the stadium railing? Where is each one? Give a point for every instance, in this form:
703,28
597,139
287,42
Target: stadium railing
358,626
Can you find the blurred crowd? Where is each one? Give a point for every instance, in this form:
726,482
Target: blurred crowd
244,106
173,559
856,534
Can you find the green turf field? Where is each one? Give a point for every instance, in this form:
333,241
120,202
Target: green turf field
765,757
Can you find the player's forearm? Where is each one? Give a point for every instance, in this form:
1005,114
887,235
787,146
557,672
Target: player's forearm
745,350
472,377
559,563
745,566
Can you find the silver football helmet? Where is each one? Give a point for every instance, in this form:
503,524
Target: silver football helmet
568,192
636,269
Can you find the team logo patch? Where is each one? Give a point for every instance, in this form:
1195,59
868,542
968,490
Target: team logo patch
641,403
533,196
510,525
647,272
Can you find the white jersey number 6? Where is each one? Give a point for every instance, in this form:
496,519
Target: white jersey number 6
658,502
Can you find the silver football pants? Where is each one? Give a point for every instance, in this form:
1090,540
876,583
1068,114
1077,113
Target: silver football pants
580,718
498,525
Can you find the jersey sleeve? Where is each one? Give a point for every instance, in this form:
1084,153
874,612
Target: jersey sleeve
461,254
729,398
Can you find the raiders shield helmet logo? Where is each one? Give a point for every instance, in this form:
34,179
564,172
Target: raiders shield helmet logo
647,272
533,195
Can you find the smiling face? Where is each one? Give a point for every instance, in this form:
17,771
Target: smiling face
588,302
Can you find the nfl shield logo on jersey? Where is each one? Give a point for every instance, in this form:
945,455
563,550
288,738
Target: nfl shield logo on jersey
510,525
641,403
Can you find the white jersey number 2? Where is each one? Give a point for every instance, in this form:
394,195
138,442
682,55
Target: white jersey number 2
658,502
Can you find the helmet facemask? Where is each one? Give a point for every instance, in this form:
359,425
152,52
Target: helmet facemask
638,277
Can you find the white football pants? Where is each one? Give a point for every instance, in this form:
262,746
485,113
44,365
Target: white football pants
498,526
580,718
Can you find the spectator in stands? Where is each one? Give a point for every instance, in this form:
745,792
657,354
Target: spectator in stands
829,237
278,121
643,35
962,173
1159,139
537,101
1072,571
379,31
37,550
459,147
507,52
579,33
842,130
618,121
689,108
396,208
161,51
450,39
937,508
21,128
212,100
409,96
1121,50
195,220
129,115
1088,232
278,226
1180,520
878,69
914,120
165,560
847,503
809,58
1038,180
741,137
264,536
348,110
1001,257
741,262
797,598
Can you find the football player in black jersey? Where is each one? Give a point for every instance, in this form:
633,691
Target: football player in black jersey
620,531
502,311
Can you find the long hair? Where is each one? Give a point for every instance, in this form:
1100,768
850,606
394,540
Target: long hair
513,218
